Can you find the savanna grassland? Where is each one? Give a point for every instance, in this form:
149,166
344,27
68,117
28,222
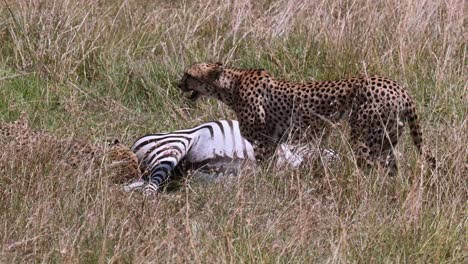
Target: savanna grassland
96,70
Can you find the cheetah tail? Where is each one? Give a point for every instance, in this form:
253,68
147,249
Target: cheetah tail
416,135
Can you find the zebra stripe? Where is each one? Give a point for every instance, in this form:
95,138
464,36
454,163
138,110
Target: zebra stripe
214,145
209,143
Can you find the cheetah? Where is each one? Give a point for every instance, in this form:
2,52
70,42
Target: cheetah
269,109
121,163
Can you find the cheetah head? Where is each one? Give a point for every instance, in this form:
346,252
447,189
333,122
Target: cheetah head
199,77
122,163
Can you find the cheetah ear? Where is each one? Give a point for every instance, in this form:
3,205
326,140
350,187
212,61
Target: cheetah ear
216,72
112,142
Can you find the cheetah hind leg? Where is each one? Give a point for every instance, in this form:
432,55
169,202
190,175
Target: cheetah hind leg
389,163
386,162
363,158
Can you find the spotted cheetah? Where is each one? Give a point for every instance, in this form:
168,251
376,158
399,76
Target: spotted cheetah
123,163
120,163
269,110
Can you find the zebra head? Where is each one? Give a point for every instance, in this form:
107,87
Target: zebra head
199,77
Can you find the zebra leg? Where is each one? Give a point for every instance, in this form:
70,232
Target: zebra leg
135,186
159,175
150,190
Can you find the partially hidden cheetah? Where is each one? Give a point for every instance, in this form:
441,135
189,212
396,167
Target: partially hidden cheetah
121,163
269,110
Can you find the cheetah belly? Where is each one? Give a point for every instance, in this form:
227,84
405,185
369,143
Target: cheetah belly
295,123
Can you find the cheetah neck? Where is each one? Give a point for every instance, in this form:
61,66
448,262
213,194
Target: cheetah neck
226,87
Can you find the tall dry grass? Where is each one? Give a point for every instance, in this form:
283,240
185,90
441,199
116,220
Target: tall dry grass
99,69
